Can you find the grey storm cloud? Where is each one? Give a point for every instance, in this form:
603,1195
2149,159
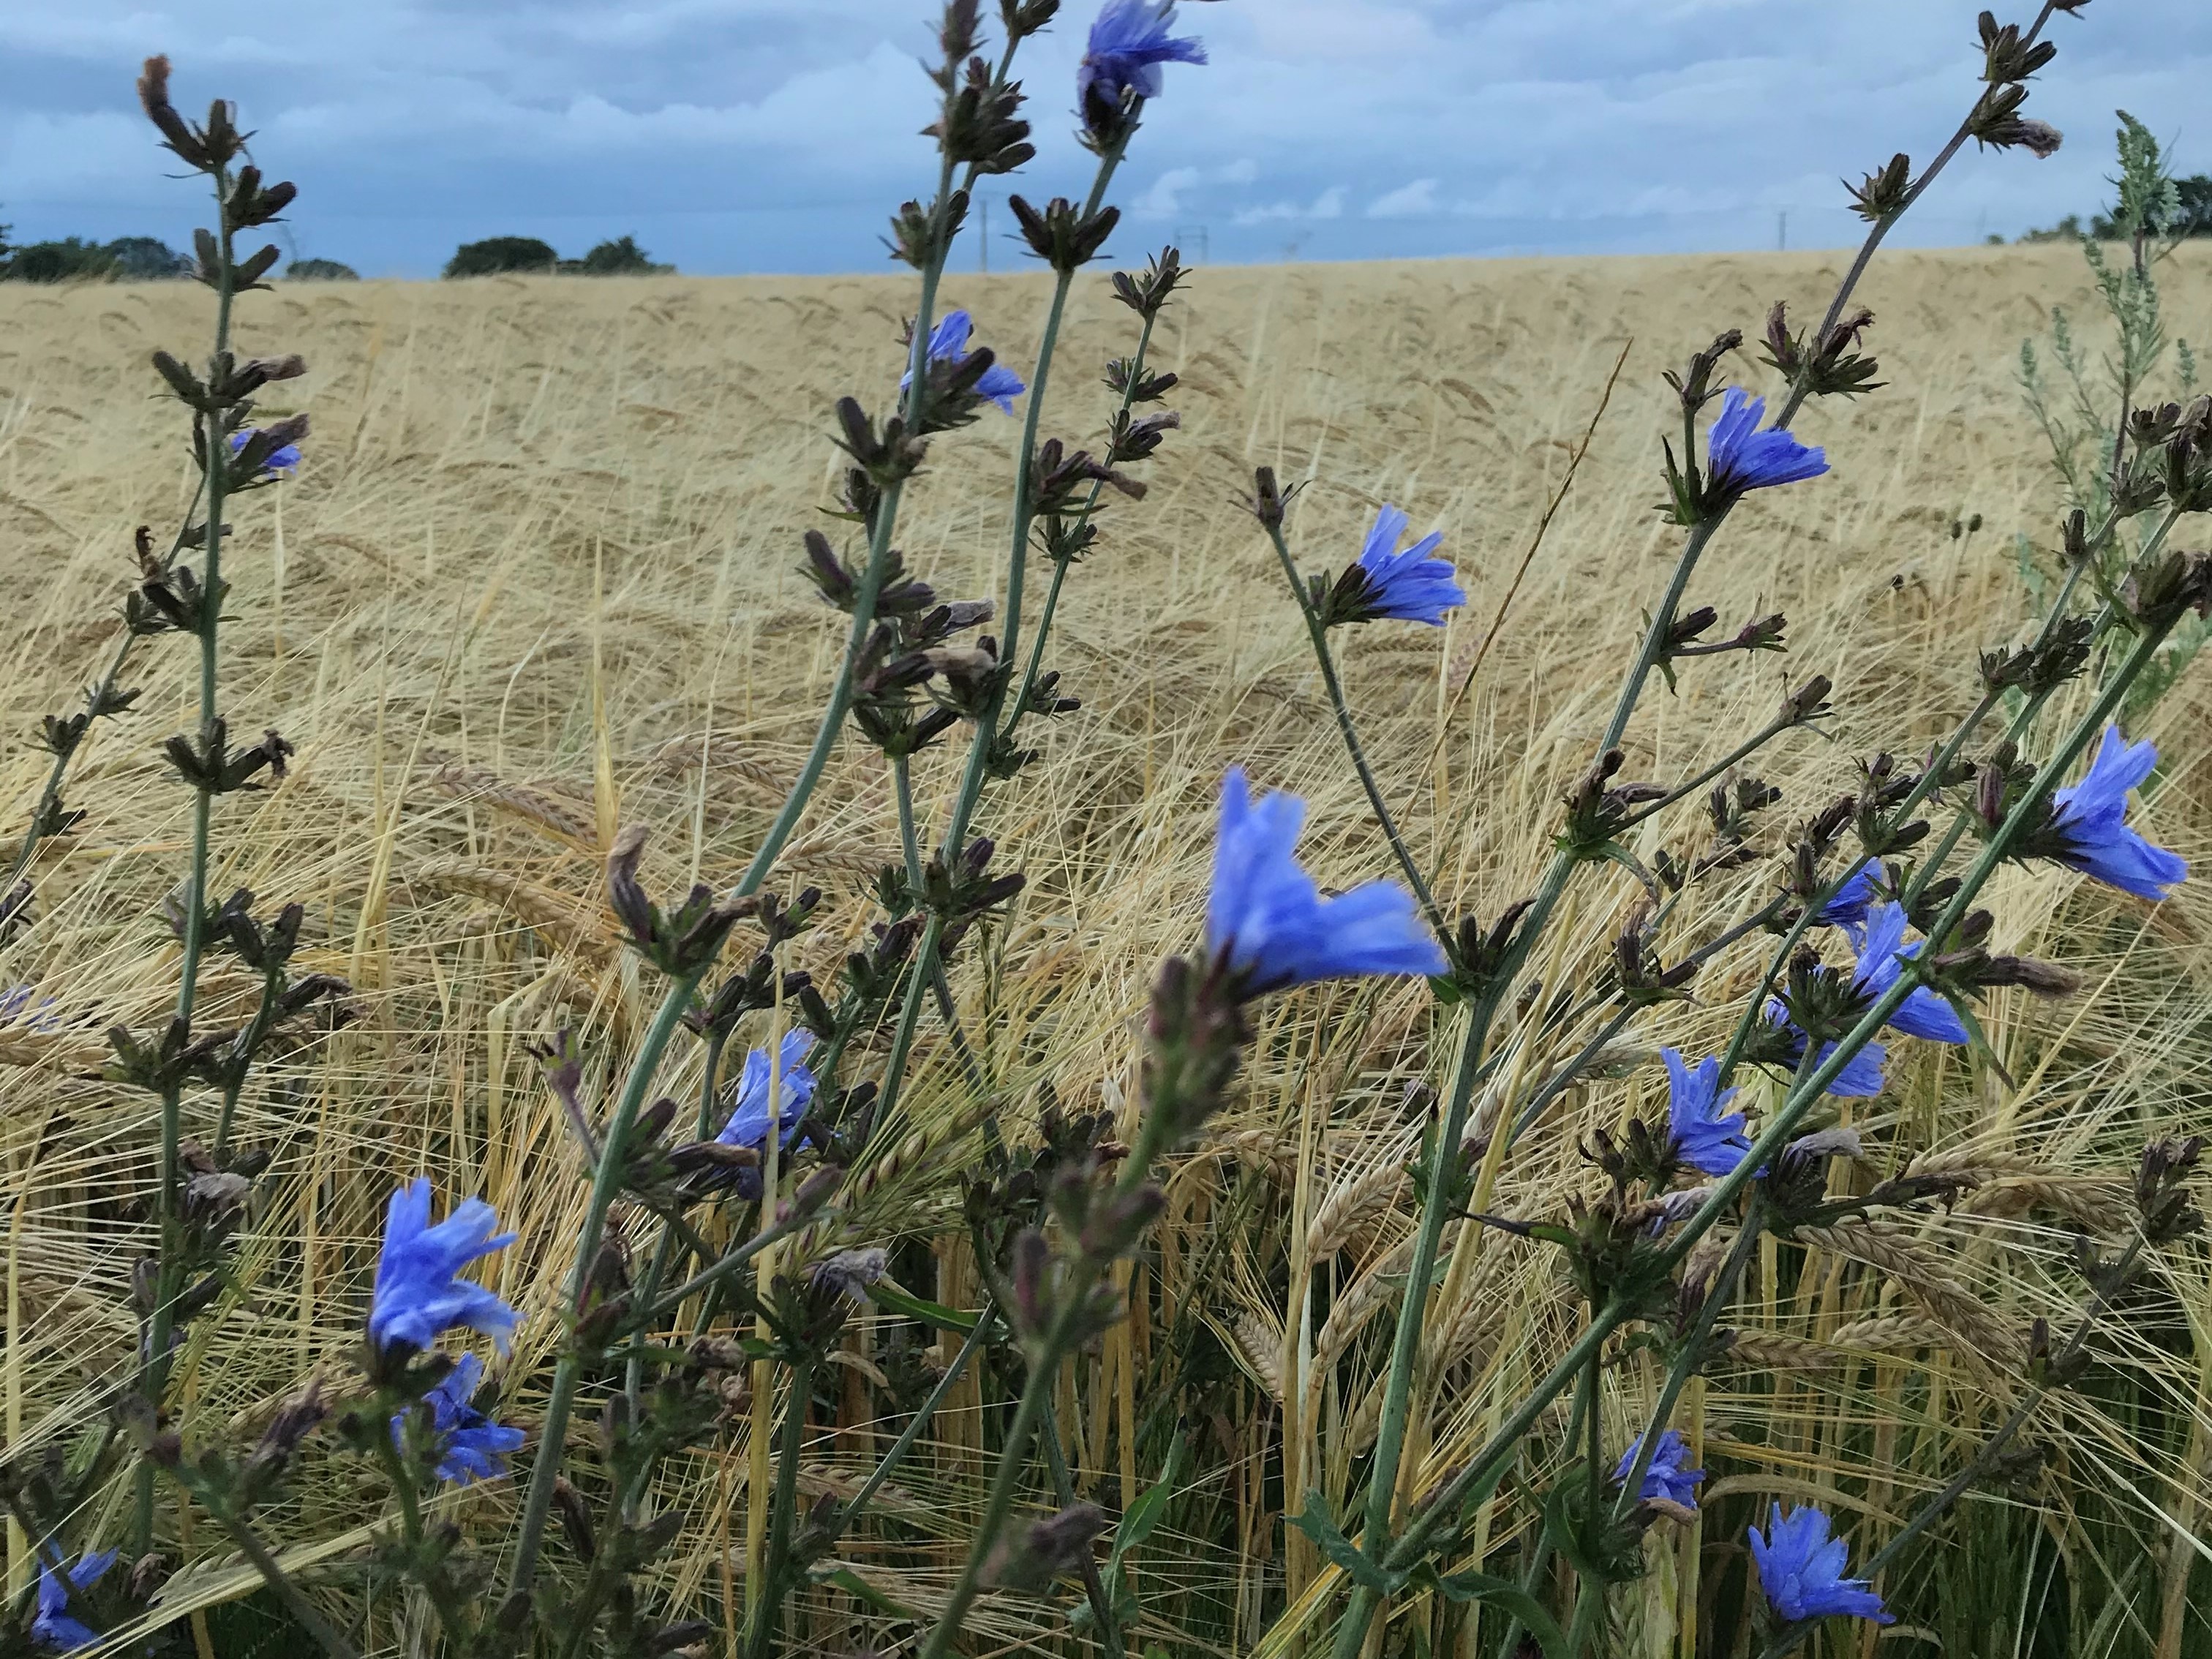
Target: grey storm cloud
762,135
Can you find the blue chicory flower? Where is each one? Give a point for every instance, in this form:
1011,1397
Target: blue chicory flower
1800,1569
1848,909
1922,1014
2091,820
419,1292
52,1625
470,1446
1665,1477
1266,917
1129,41
948,343
1706,1136
1861,1078
1409,584
794,1092
283,459
45,1018
1740,457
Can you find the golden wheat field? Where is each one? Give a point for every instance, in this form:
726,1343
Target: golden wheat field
536,579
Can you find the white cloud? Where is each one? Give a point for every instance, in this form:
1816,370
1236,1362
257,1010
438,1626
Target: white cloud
774,134
1329,204
1417,200
1164,198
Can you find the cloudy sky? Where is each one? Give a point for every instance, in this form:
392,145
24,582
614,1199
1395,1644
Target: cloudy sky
774,134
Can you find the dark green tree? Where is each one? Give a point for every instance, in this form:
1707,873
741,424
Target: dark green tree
497,256
68,260
322,270
620,258
146,259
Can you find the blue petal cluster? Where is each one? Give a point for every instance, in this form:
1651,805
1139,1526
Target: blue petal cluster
2090,816
1848,909
1707,1137
53,1626
1667,1477
1802,1570
470,1446
1408,585
419,1292
1740,457
283,459
1923,1014
794,1092
1881,960
1266,918
1129,41
948,343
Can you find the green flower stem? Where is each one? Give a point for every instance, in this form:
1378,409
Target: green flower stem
1059,1337
849,1512
871,580
1094,1587
241,1054
1692,1355
1540,1554
434,1584
95,695
1443,1182
1318,632
1743,751
606,1181
1934,1509
723,1266
1802,390
783,1508
909,840
987,725
216,449
1059,566
326,1636
1779,1129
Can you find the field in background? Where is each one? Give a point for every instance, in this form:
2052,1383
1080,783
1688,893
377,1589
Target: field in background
537,578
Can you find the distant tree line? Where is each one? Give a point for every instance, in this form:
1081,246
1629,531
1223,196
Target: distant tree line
148,258
2194,193
128,260
522,256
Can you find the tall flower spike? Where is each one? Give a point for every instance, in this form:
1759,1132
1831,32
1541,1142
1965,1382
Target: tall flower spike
1667,1477
2090,818
1707,1137
419,1292
1268,920
794,1092
1740,457
53,1626
948,343
1129,41
1406,585
470,1446
1800,1569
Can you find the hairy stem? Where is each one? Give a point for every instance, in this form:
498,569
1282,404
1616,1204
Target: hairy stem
216,449
606,1181
1318,634
95,697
